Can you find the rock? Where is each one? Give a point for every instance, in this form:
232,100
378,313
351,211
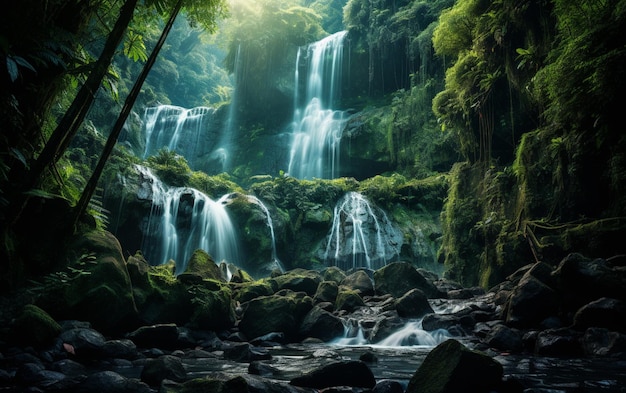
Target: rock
250,290
156,336
347,373
257,367
267,314
213,308
558,342
297,280
333,273
164,367
451,367
83,343
397,278
321,324
34,327
69,367
504,338
244,352
120,349
604,313
326,292
413,304
602,342
388,386
531,302
211,384
433,322
360,282
111,382
348,300
105,296
201,264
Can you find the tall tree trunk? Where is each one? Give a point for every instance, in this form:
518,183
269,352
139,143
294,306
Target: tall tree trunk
74,117
90,188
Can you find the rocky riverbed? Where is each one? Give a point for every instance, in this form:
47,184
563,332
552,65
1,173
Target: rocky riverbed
397,329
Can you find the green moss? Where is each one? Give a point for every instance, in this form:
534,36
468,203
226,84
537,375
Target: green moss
35,327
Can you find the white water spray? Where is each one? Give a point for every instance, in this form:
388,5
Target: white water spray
316,127
184,220
361,235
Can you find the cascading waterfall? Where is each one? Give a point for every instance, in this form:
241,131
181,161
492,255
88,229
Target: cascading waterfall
275,261
183,220
316,127
361,235
178,129
224,148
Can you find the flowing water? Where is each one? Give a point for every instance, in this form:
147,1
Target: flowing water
182,220
361,235
177,129
317,127
275,262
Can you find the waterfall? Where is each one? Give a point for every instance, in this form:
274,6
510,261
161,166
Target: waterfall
225,144
316,127
183,219
361,235
275,261
178,129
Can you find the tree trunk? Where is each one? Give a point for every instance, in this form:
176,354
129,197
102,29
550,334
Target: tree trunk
90,188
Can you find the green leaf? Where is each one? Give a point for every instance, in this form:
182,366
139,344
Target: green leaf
12,68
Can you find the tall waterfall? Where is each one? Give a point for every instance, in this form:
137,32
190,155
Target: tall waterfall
361,235
178,129
183,219
316,127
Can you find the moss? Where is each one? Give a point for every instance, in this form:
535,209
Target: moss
35,327
348,299
203,265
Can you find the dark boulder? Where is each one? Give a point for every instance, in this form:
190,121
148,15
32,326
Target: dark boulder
531,302
321,324
604,313
451,368
156,336
346,373
413,304
111,382
359,281
398,278
164,367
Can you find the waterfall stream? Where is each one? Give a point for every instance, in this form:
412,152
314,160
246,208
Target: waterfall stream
361,235
183,219
316,126
275,261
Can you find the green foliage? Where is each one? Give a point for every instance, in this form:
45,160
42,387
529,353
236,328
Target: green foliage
213,186
170,167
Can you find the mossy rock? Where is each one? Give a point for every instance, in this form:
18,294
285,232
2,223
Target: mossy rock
333,273
297,280
35,327
202,264
326,292
269,314
348,300
451,367
214,308
248,291
101,293
398,278
208,384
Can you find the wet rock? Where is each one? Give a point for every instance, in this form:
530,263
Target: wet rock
413,304
156,336
360,282
250,290
504,338
165,367
244,352
83,343
321,324
333,273
440,321
69,367
111,382
602,342
397,278
297,280
451,367
211,384
347,373
202,265
531,302
388,386
326,292
257,367
604,313
558,342
120,349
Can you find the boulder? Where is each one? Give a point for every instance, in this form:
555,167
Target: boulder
397,278
602,342
333,273
156,336
321,324
268,314
558,342
34,327
359,281
84,343
348,300
451,367
201,264
213,308
531,302
245,352
604,313
111,382
413,304
326,292
210,384
120,349
164,367
104,296
504,338
345,373
297,280
247,291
